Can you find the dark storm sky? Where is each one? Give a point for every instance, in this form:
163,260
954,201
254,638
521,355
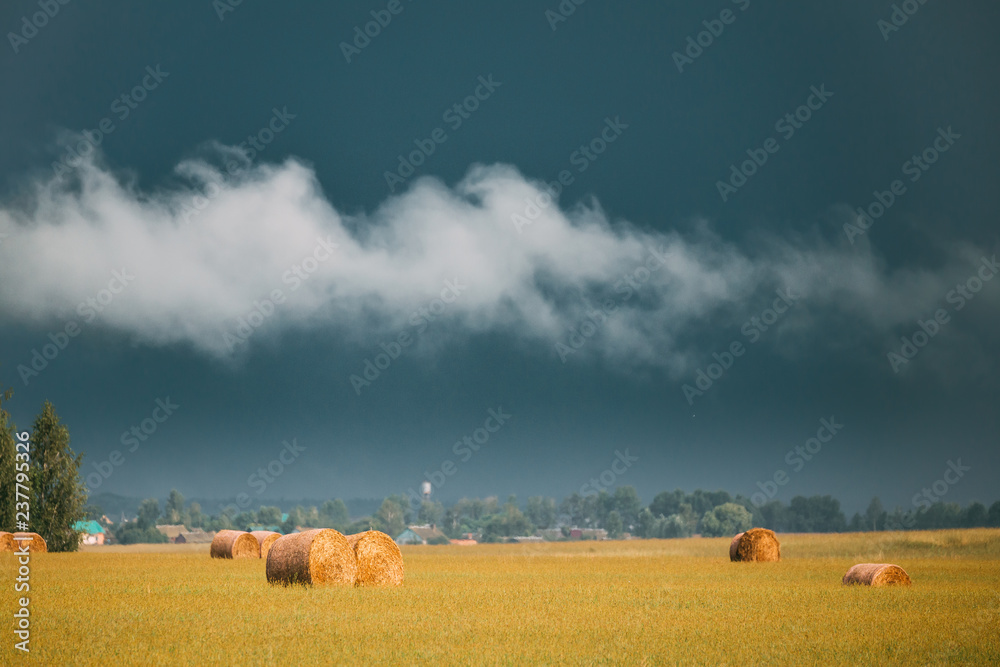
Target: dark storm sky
826,357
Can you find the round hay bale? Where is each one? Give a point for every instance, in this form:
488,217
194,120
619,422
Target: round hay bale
733,547
379,561
265,538
234,544
757,544
6,541
877,574
319,556
35,545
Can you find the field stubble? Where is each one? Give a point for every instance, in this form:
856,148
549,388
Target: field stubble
634,602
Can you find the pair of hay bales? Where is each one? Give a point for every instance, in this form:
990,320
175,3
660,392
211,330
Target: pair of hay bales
760,544
241,544
324,556
9,542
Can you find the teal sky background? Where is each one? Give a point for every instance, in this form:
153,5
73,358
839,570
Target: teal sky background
556,89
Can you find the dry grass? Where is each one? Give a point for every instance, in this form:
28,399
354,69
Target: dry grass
380,562
877,574
630,602
312,557
234,544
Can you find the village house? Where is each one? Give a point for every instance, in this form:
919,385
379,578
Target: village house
422,535
197,536
91,532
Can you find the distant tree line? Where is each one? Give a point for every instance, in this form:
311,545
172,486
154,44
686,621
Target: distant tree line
57,499
670,514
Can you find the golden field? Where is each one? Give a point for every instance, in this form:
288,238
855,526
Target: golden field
625,602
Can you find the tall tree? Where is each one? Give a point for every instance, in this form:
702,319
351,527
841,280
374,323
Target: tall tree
628,505
993,519
875,513
195,516
430,512
975,515
149,512
541,511
7,466
269,516
335,512
614,524
666,503
174,510
393,514
57,492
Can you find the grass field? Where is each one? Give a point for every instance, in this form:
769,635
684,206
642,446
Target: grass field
631,602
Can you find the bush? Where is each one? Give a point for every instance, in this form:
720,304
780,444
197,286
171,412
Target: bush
131,533
726,520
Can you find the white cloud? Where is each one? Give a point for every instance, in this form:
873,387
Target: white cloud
194,279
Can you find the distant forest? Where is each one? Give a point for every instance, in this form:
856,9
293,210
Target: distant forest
670,514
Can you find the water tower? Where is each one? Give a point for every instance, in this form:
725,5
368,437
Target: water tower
425,490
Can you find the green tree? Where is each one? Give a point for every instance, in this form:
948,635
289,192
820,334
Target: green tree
975,516
677,525
174,509
646,523
8,476
725,520
898,520
816,514
774,515
363,524
57,492
296,518
993,519
452,522
628,505
149,512
613,524
195,517
508,524
143,529
335,513
573,508
541,511
706,501
667,503
269,516
217,523
875,515
393,515
430,512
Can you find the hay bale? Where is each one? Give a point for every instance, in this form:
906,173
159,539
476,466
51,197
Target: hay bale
35,545
6,541
757,544
320,556
379,561
877,574
265,538
234,544
733,546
